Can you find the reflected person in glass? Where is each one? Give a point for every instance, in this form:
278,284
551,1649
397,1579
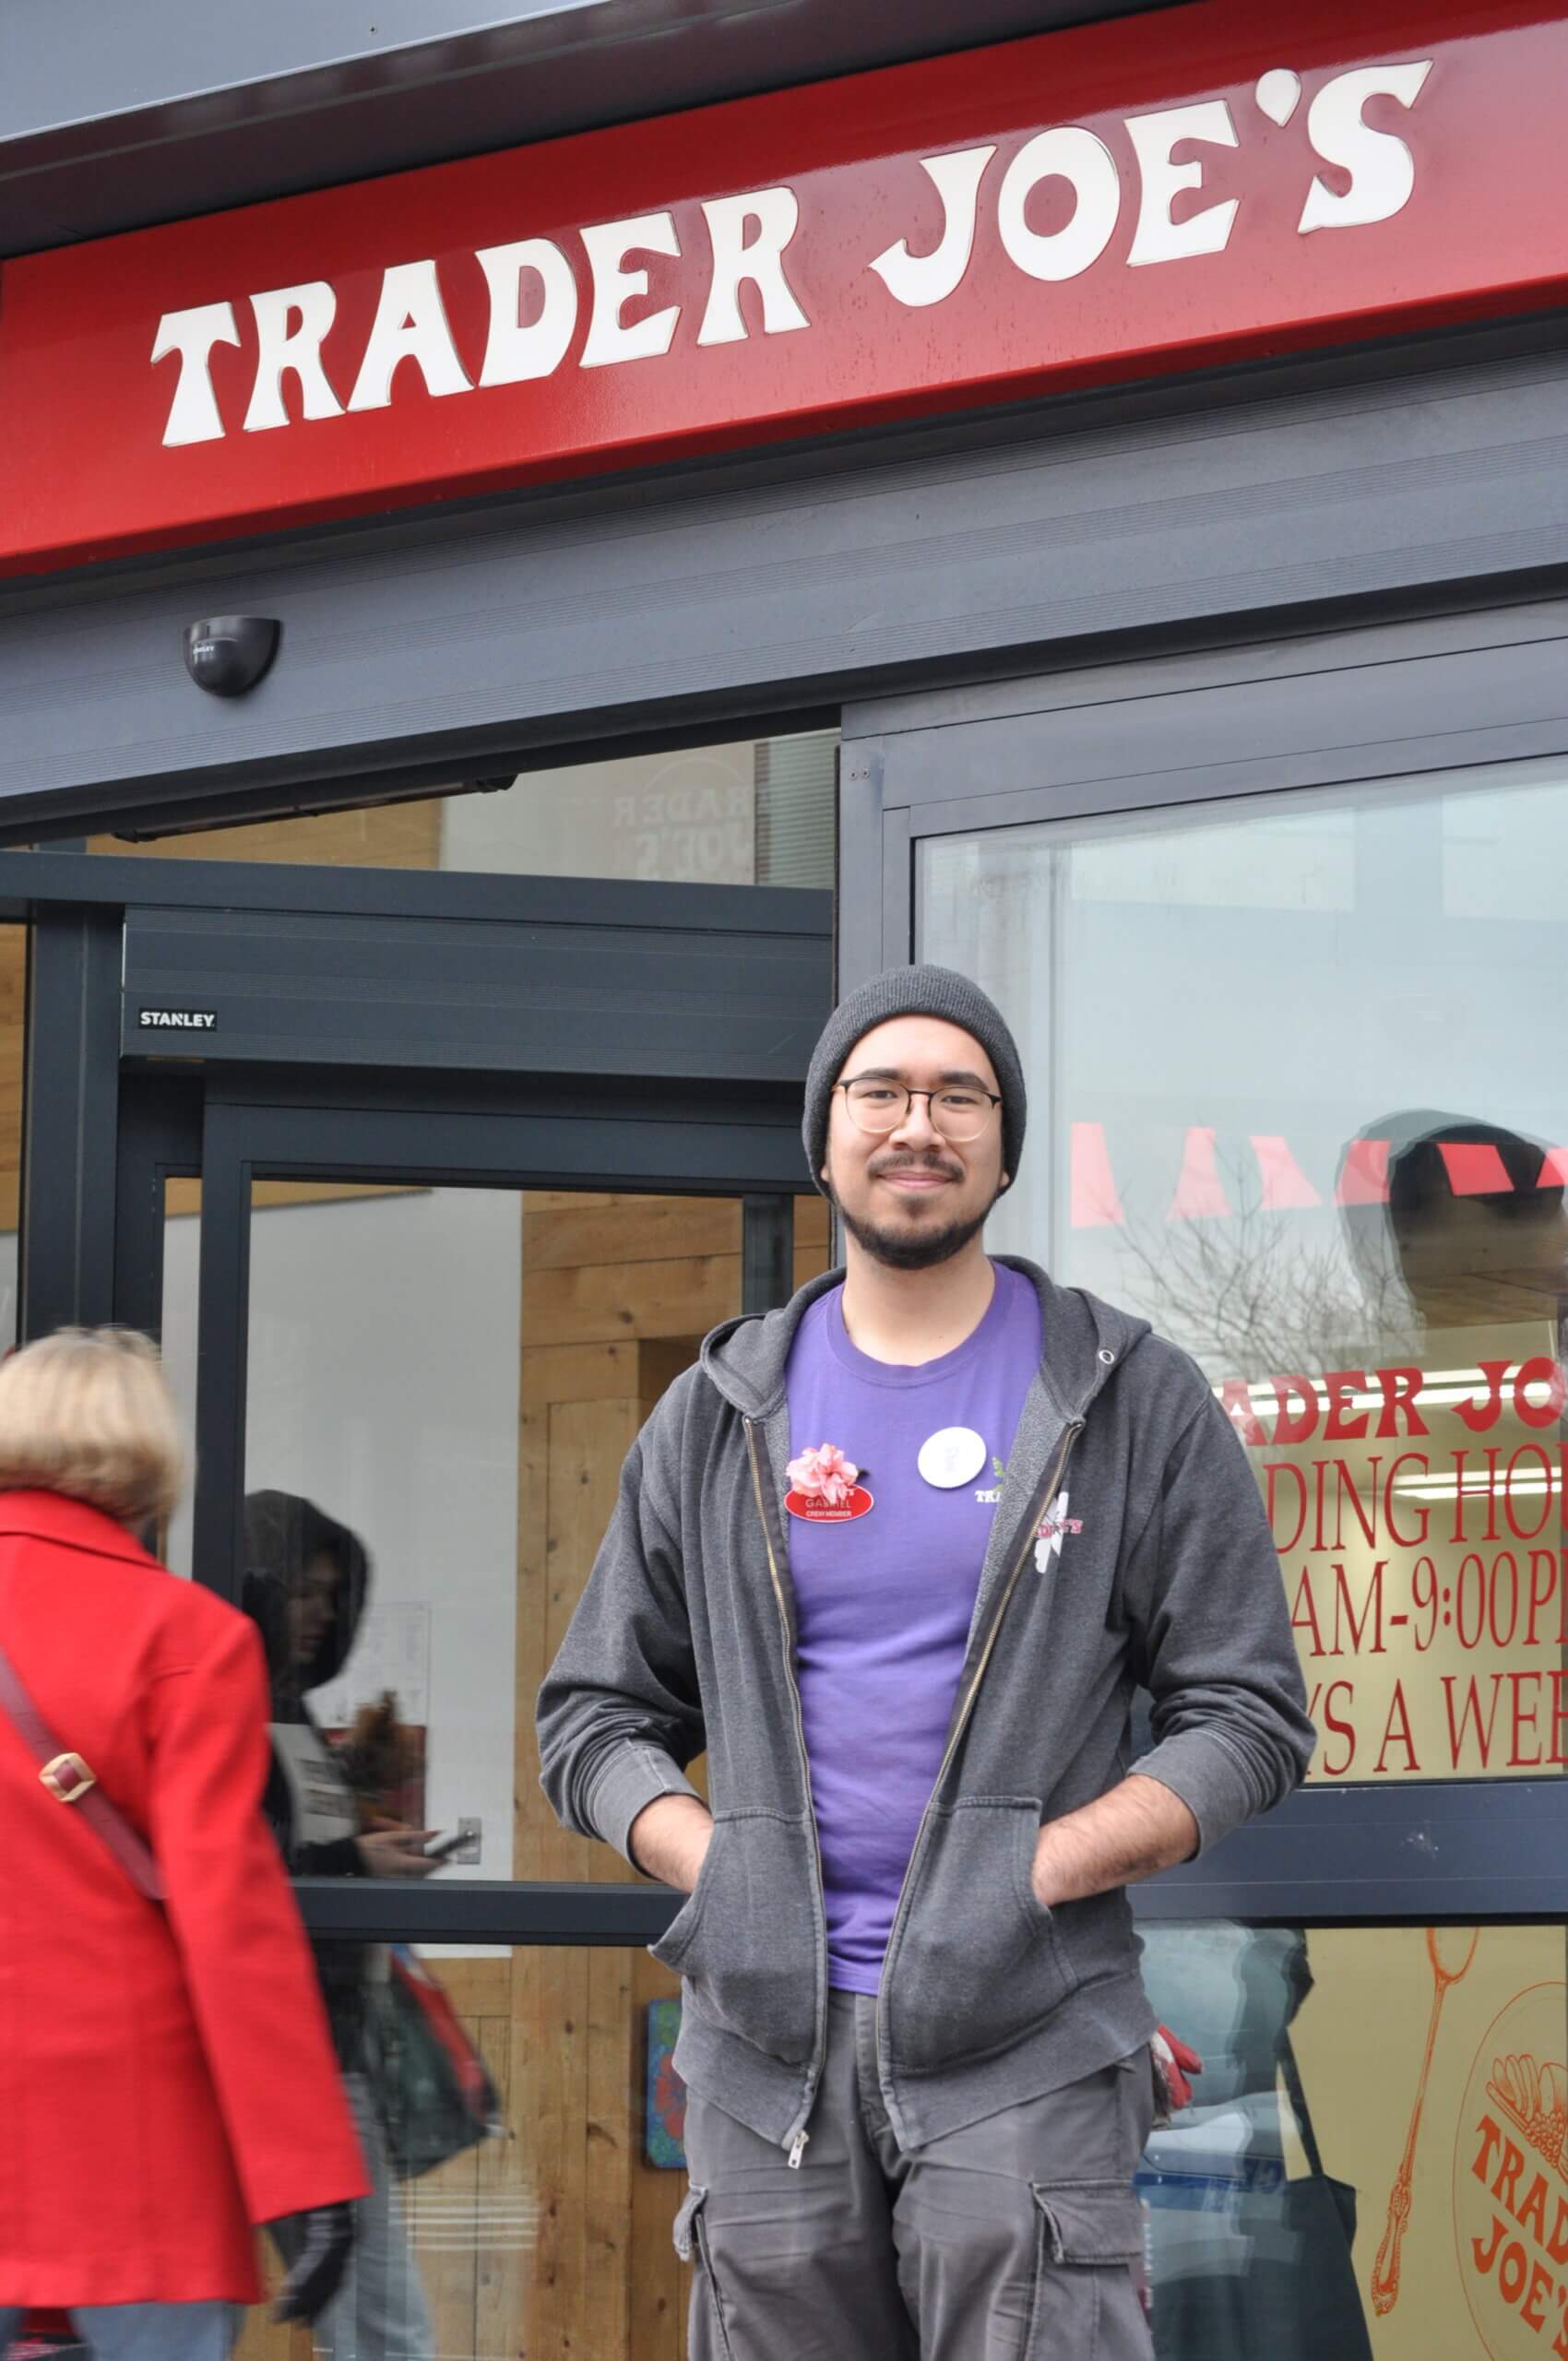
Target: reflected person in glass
1247,2254
306,1584
1470,1228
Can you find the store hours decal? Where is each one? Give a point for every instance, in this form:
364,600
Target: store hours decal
1419,1514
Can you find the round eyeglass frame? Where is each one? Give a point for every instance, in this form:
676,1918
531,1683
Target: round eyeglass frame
875,1130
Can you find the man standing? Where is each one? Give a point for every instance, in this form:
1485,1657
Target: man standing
898,1556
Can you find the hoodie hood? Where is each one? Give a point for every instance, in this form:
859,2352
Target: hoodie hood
1084,1341
283,1534
1367,1219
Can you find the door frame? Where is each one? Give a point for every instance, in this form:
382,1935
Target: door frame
1168,732
106,1127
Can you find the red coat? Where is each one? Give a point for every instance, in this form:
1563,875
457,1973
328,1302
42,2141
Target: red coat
166,2075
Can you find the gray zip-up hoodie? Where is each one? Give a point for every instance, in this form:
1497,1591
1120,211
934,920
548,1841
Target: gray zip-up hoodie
684,1640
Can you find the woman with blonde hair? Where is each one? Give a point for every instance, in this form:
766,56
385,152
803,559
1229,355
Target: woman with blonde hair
167,2081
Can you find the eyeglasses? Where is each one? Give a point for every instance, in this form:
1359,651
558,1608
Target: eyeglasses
959,1110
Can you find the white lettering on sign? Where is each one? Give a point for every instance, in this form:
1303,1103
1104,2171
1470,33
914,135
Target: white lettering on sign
514,353
1057,205
772,216
614,286
291,323
1087,164
1382,169
919,279
409,325
1155,139
178,1020
193,414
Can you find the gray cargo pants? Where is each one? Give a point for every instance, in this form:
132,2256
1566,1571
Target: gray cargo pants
1018,2239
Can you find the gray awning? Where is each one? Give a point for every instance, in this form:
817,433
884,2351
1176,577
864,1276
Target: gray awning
114,117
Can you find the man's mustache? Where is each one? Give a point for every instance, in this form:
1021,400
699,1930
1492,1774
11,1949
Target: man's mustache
881,1165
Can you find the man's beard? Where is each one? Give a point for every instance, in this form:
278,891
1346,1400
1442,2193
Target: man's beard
914,1249
911,1249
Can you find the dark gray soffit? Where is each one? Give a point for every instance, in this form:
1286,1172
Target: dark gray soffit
473,642
497,997
114,117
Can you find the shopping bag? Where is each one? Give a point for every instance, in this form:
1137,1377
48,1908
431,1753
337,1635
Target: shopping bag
434,2091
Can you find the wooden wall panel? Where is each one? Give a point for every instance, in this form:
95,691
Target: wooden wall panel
397,836
686,1295
617,1293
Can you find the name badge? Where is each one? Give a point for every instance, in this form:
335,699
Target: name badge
812,1508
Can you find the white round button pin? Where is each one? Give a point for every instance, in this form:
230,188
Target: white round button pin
952,1456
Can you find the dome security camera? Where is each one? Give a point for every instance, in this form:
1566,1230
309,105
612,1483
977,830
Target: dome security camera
228,654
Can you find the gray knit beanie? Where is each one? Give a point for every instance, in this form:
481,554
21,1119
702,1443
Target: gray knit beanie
914,991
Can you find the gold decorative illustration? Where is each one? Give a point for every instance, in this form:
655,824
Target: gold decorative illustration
1451,1950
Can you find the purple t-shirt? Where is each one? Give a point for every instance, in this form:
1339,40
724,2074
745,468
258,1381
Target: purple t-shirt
884,1601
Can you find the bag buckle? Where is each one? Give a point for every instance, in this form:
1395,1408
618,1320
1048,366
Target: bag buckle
67,1778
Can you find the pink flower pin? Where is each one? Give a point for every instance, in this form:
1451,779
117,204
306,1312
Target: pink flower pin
824,1475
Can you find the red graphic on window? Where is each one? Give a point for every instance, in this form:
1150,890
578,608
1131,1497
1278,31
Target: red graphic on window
1475,1168
1511,2181
1095,1204
1285,1185
1450,1950
1200,1194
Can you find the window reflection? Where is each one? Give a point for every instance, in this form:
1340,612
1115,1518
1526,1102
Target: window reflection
1306,1118
1357,2082
1372,2162
754,811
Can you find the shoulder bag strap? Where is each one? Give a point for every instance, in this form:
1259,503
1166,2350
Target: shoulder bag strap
64,1775
1297,2098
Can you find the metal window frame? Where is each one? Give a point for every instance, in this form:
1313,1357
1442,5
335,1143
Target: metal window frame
1167,733
406,1134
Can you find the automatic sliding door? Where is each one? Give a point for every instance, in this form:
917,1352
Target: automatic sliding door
441,1383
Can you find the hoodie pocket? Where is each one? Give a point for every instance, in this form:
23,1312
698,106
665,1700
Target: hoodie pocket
979,1961
745,1941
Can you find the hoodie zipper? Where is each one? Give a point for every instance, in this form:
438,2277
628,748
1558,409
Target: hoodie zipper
1042,1501
795,2139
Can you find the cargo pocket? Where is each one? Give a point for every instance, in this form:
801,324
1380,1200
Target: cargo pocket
709,2337
1088,2248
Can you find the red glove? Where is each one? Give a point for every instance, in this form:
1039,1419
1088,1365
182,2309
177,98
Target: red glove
1176,2063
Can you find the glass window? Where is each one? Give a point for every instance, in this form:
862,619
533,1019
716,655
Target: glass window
1297,1098
182,1257
757,811
442,1386
551,2232
1370,2168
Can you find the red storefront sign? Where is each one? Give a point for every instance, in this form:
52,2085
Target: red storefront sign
1082,207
